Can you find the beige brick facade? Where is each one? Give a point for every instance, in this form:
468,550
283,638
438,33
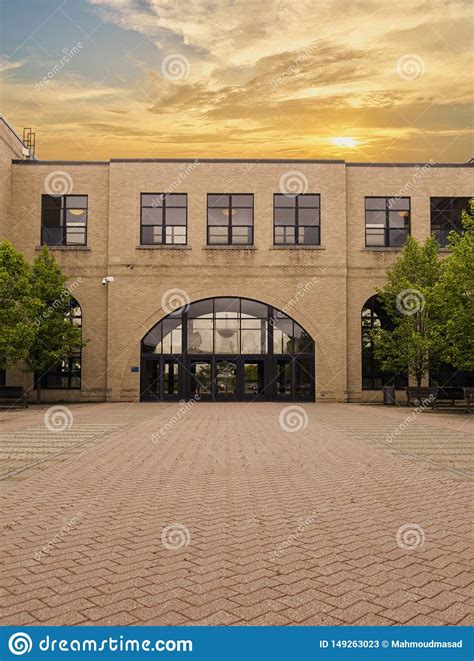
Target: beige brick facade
343,273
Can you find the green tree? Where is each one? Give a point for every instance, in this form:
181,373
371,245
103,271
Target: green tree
56,337
17,306
408,297
455,293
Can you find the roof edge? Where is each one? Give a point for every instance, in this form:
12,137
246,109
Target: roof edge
9,126
351,164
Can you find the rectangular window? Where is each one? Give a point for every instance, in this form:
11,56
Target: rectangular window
296,219
387,221
446,216
230,219
64,220
65,374
164,219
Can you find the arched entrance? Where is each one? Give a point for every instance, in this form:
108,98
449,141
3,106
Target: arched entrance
227,349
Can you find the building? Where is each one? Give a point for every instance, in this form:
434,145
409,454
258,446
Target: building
229,279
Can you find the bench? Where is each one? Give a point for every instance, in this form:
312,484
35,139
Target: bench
450,394
15,393
423,396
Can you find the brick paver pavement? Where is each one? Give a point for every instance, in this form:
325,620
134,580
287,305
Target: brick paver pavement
221,515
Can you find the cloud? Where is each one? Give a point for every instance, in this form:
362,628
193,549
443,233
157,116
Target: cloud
264,78
6,64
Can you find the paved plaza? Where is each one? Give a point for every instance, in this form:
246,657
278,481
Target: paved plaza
235,513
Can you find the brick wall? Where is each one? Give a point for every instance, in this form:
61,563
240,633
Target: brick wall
342,272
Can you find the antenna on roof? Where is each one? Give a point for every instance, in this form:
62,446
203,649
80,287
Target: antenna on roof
29,140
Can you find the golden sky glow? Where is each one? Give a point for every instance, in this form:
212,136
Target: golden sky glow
382,81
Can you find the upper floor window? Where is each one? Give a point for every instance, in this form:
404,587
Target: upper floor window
296,219
64,220
230,219
446,215
163,218
387,221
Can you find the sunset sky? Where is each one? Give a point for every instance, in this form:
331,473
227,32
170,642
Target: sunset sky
363,81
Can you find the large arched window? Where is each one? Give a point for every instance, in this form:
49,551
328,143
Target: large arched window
66,374
373,377
228,348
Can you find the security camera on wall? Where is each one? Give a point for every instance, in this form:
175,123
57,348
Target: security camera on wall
107,279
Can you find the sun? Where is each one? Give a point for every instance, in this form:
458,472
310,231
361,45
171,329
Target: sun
344,142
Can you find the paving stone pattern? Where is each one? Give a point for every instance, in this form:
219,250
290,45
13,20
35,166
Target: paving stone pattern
223,517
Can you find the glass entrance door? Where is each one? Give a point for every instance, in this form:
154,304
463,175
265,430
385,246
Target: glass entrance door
201,379
284,379
160,379
226,380
150,381
252,379
170,379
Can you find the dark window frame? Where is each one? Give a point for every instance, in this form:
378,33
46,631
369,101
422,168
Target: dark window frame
69,371
271,316
296,224
230,225
387,228
400,381
440,233
63,217
163,225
